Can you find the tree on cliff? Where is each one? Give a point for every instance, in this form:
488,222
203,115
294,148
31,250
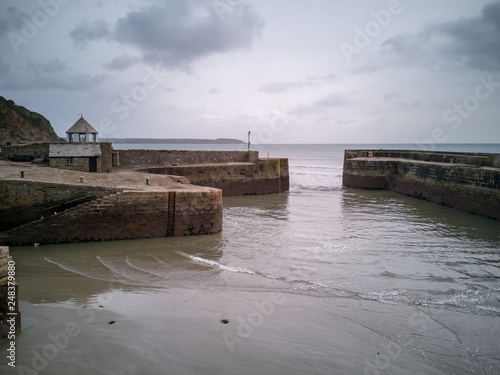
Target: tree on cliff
19,124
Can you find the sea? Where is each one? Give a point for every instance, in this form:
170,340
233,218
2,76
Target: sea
322,279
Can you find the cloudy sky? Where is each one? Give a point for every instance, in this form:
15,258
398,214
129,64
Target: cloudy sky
290,71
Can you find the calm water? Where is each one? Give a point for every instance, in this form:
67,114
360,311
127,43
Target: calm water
320,280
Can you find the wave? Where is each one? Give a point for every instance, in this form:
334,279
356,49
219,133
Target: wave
160,274
85,273
312,166
125,270
321,188
216,264
461,301
300,284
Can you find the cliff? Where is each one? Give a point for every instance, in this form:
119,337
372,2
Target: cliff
19,124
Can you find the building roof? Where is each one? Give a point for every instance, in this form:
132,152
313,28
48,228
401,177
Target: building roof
82,126
74,150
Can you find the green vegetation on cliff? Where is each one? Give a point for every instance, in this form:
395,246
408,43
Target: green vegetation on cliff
18,124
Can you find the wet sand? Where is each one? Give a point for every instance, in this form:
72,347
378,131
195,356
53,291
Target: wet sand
179,331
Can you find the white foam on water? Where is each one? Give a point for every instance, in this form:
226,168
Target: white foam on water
216,264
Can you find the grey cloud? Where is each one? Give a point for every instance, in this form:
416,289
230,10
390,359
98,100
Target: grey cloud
86,32
333,100
215,91
123,62
472,42
277,87
400,100
280,86
11,19
54,74
4,67
177,33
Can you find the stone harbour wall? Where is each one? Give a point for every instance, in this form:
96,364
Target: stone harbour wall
445,178
196,212
31,151
28,151
143,158
126,215
106,158
22,201
483,160
265,176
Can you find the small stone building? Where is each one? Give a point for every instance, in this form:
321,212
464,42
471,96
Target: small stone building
83,157
83,152
81,131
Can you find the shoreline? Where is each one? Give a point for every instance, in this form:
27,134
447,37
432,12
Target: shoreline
128,337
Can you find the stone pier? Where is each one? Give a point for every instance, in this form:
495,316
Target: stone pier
467,181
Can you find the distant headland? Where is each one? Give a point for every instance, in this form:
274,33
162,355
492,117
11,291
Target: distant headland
184,141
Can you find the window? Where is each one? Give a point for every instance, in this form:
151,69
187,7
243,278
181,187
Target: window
83,137
69,161
92,137
71,137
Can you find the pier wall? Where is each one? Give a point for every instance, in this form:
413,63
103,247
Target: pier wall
126,215
30,151
265,176
22,201
27,151
144,158
467,181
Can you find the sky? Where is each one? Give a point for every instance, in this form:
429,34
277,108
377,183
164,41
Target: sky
289,71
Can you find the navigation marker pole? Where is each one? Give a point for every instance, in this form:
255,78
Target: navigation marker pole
248,141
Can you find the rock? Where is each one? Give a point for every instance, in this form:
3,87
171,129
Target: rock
19,124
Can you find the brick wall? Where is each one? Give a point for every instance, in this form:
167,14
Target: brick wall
144,158
266,176
472,188
127,215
